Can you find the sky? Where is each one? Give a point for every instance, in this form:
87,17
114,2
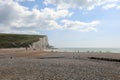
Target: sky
67,23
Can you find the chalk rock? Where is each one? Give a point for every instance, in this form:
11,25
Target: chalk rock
42,43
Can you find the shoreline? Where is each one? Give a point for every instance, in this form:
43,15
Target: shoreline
38,52
99,50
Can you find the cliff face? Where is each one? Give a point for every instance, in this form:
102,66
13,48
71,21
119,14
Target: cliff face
42,43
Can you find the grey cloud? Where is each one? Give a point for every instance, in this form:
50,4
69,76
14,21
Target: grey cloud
7,14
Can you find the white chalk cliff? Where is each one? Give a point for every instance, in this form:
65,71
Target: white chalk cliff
42,43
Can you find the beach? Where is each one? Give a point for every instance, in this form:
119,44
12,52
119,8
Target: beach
21,64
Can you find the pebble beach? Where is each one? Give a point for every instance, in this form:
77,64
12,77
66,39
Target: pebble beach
19,64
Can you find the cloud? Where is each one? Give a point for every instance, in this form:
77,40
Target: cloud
81,4
13,16
109,6
16,18
80,26
24,0
118,7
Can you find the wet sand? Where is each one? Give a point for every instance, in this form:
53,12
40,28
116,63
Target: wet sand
19,64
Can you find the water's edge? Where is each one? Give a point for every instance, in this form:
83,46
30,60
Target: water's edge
112,50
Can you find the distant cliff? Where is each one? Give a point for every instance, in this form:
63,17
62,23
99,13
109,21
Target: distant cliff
23,40
42,43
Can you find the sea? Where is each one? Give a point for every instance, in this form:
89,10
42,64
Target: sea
106,50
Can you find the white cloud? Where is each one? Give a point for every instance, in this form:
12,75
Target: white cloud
118,7
16,17
81,4
24,0
19,19
109,6
80,26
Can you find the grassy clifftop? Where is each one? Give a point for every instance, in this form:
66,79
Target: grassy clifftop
17,40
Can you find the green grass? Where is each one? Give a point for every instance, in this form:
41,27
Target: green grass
17,40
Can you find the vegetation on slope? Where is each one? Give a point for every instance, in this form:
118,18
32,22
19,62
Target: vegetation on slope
17,40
